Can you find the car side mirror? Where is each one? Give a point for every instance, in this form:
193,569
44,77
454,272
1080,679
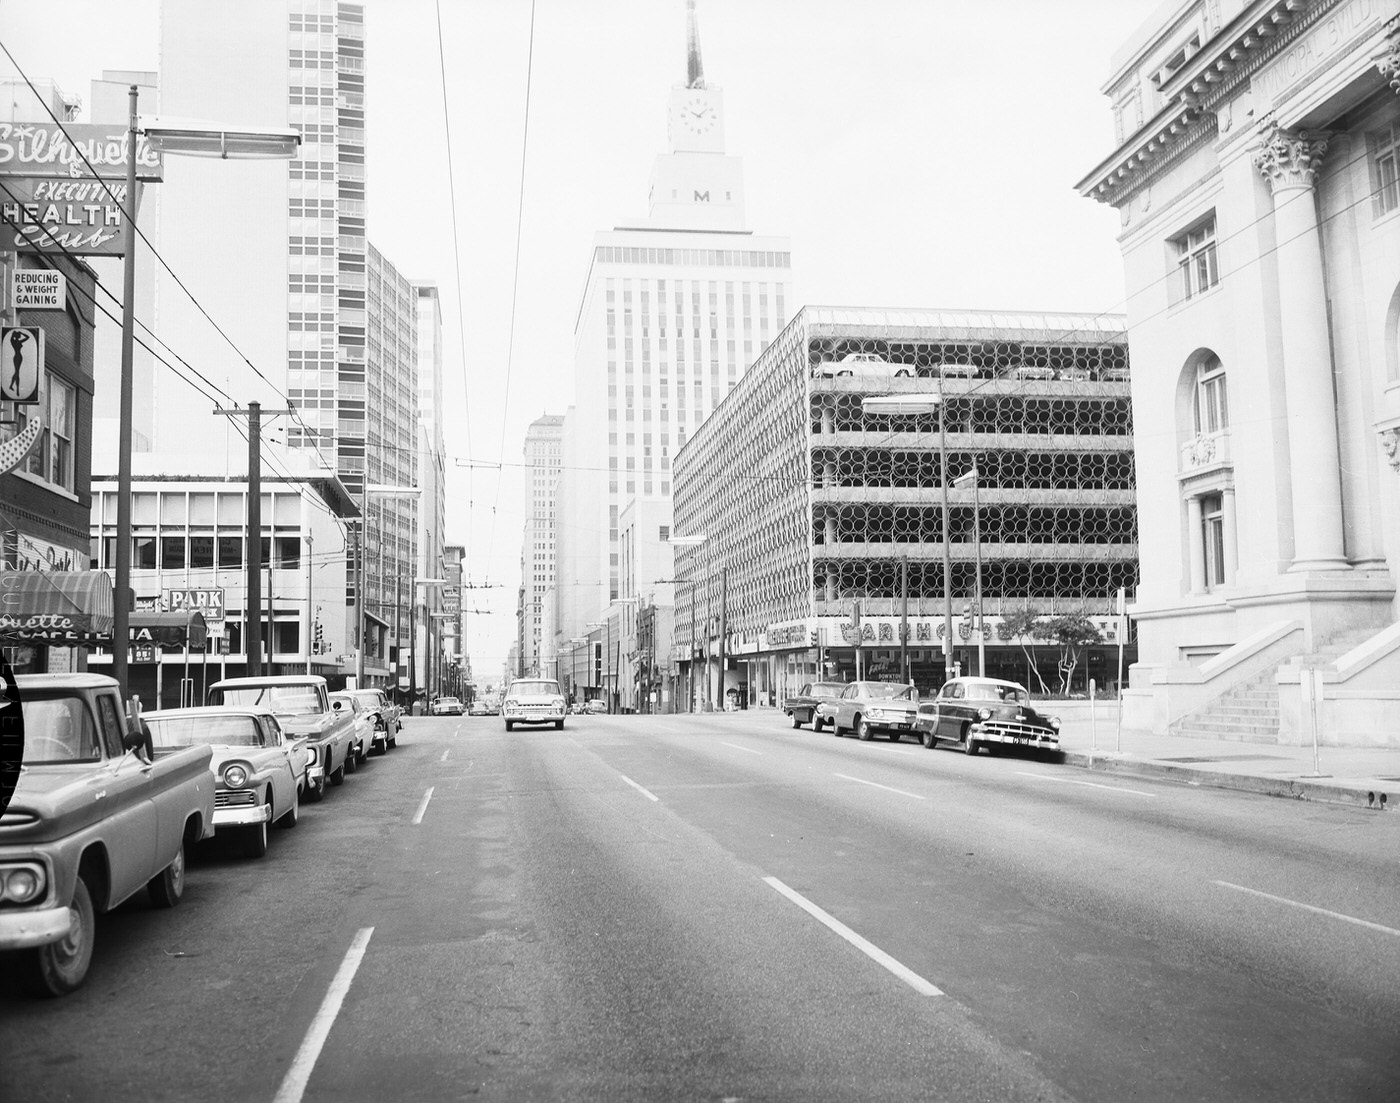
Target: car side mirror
134,739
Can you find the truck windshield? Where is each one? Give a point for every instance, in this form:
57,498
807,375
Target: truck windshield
58,729
533,688
283,700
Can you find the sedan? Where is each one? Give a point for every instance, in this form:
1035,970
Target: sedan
533,701
446,706
364,727
258,770
986,712
802,706
870,707
383,716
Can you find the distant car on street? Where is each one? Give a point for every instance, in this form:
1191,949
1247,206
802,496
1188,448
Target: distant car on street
384,715
533,701
446,706
870,707
596,705
802,705
986,712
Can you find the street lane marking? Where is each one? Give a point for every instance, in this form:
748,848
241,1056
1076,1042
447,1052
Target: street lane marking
649,796
294,1083
445,754
1090,784
1310,908
903,972
739,748
877,785
423,807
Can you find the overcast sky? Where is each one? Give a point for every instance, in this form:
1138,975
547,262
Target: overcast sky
918,153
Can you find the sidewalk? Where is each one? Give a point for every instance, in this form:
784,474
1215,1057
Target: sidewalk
1368,777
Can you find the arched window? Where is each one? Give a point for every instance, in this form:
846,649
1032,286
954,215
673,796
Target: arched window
1212,409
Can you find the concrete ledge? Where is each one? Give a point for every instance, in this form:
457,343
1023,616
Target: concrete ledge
1342,791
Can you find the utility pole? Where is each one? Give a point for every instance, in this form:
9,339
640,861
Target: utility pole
723,627
252,605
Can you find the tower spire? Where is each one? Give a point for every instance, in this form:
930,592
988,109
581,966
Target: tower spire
694,68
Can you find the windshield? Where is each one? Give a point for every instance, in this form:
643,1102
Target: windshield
523,688
58,729
895,691
989,692
283,700
369,697
200,731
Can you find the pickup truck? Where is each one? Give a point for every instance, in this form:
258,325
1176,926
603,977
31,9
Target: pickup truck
302,706
93,819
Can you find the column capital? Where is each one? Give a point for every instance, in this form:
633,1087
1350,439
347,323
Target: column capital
1388,60
1289,158
1390,444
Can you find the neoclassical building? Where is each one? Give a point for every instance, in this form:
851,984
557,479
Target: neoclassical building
1256,177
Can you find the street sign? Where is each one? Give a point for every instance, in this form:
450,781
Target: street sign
38,289
21,363
209,602
143,653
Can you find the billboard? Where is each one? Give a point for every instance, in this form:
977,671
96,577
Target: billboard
55,215
74,150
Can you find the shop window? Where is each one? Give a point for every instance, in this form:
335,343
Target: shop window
1197,270
143,553
52,458
230,551
172,553
1384,148
202,552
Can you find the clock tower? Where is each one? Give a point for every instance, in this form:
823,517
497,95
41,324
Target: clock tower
696,186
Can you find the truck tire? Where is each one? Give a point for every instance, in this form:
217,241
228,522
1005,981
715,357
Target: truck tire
337,776
59,967
167,886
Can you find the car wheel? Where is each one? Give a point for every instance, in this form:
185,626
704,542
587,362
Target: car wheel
969,744
928,740
394,742
254,841
292,814
796,720
167,886
317,791
509,725
352,760
863,732
338,775
558,725
896,737
59,967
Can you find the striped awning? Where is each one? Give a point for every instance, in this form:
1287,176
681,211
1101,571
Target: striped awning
179,629
57,608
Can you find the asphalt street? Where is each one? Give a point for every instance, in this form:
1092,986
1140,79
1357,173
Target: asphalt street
721,907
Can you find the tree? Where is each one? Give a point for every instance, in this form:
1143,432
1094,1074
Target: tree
1072,634
1022,625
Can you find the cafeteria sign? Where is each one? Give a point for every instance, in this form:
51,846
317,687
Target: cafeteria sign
208,602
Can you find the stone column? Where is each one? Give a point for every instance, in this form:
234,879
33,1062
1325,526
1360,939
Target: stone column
1229,535
1196,545
1289,162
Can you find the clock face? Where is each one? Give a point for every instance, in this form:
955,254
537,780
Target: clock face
698,115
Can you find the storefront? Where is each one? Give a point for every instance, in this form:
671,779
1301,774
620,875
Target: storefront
48,620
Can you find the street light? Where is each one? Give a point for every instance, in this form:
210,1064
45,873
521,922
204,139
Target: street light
970,479
894,406
191,138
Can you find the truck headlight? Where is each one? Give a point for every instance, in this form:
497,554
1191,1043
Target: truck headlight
236,774
22,884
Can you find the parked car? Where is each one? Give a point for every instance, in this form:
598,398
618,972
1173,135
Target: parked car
870,707
93,819
533,701
802,705
384,715
865,363
986,712
363,739
302,706
446,706
258,771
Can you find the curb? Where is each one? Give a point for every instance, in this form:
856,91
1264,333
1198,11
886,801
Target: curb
1359,796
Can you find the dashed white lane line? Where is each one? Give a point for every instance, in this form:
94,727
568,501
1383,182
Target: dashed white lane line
1090,784
445,754
294,1083
645,793
1310,908
903,972
877,785
423,805
739,748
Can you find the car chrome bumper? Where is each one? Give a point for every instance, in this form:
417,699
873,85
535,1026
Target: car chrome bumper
242,817
21,930
1018,739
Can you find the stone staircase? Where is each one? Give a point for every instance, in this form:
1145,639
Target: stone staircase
1249,712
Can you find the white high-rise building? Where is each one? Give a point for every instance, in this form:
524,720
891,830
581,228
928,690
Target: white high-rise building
543,456
674,310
